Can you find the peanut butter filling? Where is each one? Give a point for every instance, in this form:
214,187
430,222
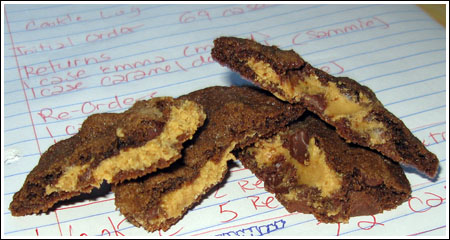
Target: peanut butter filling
175,202
314,173
265,74
338,105
182,120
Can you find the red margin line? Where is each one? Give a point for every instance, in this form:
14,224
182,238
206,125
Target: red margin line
419,184
415,234
21,81
240,169
87,204
57,220
427,125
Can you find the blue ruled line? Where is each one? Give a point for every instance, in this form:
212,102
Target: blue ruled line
398,87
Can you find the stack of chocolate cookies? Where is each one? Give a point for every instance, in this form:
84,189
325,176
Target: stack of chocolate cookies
323,145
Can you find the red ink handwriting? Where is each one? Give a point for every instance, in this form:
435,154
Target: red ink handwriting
58,21
53,67
189,16
131,65
189,51
112,33
216,192
200,54
239,10
232,11
140,69
56,89
50,133
260,37
221,210
257,202
415,203
134,75
372,223
115,229
332,68
253,7
133,11
43,46
257,185
81,234
72,130
201,60
47,113
359,25
89,107
434,138
69,76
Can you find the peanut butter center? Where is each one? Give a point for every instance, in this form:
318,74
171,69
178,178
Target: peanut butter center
182,120
314,173
175,202
337,104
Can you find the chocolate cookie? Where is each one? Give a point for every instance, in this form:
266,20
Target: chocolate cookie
236,117
353,109
112,147
312,170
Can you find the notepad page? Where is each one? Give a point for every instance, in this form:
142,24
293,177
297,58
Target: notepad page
63,63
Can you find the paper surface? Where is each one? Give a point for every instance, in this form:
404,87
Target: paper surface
63,63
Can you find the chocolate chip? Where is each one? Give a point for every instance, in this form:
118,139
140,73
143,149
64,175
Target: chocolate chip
318,102
297,144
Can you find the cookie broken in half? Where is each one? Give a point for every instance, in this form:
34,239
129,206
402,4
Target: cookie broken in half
110,147
351,108
236,117
312,170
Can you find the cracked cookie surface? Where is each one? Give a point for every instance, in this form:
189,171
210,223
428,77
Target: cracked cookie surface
236,117
110,147
351,108
312,170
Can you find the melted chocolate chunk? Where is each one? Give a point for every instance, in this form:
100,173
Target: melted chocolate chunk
102,136
236,118
318,102
297,143
297,81
364,182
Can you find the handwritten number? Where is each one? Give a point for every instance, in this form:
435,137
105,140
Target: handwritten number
204,14
185,18
227,211
373,223
221,196
188,16
428,202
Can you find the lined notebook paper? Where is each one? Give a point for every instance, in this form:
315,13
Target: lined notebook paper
63,63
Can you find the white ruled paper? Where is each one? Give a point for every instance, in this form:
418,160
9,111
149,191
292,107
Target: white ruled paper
63,63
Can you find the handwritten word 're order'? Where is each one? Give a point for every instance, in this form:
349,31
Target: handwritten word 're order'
89,107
